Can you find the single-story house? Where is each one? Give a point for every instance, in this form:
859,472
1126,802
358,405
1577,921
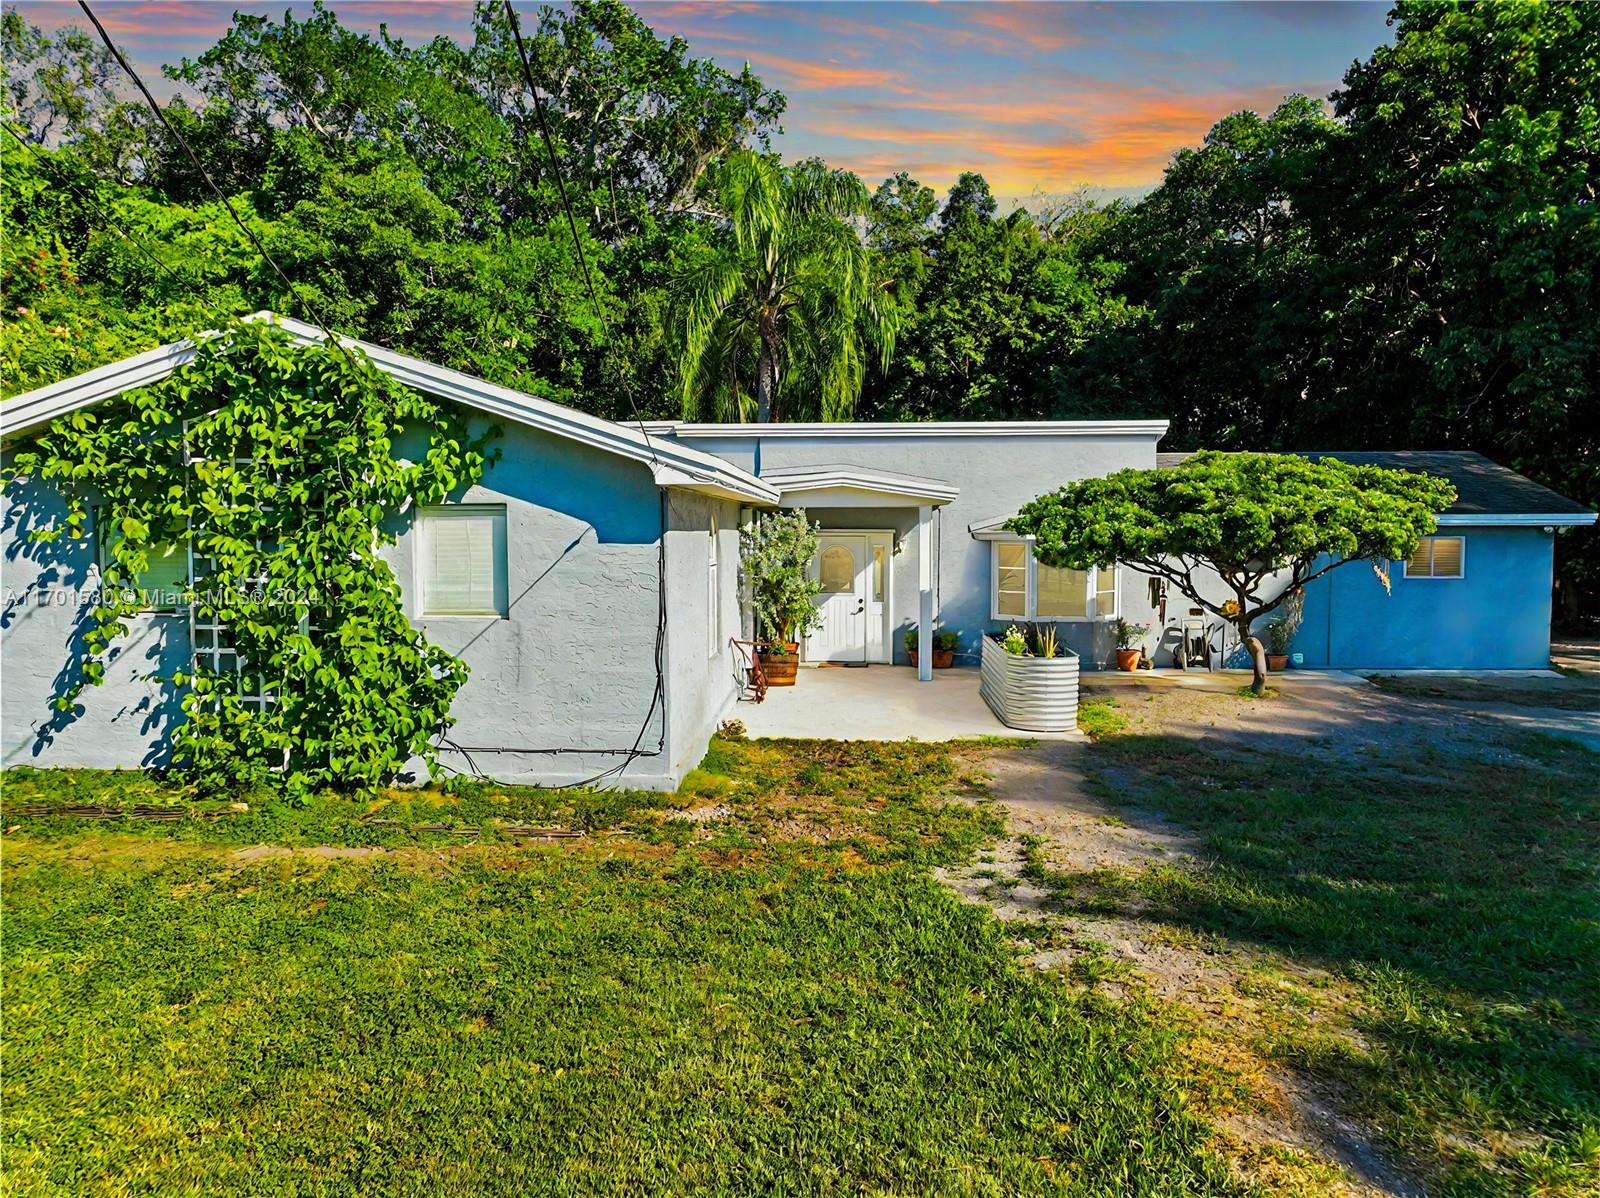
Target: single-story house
609,559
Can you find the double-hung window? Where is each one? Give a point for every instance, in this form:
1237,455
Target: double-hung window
1438,557
462,560
1023,588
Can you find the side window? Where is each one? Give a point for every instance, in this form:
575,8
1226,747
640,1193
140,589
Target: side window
1438,557
714,590
164,582
462,560
1023,588
1010,580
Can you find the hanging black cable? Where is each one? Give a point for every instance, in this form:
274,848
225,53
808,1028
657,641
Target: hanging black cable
176,135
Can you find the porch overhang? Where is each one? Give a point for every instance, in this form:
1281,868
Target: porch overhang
994,529
856,486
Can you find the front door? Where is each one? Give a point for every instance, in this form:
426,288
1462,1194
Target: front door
841,565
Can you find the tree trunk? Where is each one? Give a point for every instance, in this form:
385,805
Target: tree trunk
767,369
1258,656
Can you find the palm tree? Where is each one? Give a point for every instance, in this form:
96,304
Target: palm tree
784,305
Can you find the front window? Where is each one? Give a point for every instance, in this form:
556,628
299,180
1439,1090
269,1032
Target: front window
1023,588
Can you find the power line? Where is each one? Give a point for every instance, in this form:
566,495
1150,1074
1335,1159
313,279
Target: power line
566,206
173,131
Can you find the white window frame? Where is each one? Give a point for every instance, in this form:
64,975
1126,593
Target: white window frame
501,563
1405,564
714,591
1091,609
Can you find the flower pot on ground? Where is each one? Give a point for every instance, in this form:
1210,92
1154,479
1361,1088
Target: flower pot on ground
777,548
944,647
1030,684
1280,634
780,666
1128,638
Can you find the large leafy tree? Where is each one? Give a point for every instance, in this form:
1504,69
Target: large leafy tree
1264,525
996,305
779,314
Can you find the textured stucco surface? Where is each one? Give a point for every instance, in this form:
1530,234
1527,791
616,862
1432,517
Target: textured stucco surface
47,592
997,475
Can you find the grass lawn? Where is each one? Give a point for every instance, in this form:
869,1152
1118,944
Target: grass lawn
1453,903
776,999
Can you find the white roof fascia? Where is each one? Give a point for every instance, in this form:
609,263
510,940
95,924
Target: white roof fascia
962,428
802,479
671,465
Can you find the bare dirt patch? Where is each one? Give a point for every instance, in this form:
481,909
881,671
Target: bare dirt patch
1292,1132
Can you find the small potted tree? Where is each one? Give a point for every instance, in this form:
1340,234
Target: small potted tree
1128,638
777,548
1279,638
944,647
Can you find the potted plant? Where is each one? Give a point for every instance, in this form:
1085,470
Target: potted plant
1128,638
1279,636
776,552
1030,681
944,647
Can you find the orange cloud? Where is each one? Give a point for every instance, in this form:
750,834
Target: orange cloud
1025,23
1126,143
828,74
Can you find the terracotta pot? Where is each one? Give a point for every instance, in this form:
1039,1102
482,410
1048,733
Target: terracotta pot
1128,659
1277,663
943,659
781,669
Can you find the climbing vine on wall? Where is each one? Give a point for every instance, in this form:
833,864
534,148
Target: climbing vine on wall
280,466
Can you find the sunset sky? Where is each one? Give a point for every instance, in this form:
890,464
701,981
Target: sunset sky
1038,96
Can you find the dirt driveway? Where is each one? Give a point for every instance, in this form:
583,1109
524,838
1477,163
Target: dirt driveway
1074,880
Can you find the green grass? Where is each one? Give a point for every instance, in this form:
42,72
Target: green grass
781,1000
1098,716
1458,899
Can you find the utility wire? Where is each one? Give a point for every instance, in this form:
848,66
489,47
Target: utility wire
173,132
566,206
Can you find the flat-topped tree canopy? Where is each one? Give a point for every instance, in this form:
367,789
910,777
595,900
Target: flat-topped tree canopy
1256,520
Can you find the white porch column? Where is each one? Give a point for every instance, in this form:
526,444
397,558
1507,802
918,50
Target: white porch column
925,587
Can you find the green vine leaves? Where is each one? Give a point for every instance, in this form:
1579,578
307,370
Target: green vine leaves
276,468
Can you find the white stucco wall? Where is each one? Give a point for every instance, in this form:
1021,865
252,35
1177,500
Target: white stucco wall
997,474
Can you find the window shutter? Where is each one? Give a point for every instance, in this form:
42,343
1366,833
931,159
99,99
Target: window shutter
464,568
1420,563
1447,557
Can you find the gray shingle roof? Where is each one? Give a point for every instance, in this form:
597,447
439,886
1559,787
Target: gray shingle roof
1483,488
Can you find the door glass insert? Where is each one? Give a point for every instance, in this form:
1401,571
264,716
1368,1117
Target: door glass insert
877,573
838,569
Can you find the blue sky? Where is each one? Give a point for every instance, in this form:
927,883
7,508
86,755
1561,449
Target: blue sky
1040,97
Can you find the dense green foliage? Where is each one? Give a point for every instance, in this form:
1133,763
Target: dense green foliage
783,1000
775,553
1265,524
1415,269
274,469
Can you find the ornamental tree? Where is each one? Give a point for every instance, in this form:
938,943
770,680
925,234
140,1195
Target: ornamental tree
1264,524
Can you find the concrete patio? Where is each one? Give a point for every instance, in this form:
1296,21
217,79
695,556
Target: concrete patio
879,703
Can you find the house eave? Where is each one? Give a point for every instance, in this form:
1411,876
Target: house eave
961,428
1517,520
34,409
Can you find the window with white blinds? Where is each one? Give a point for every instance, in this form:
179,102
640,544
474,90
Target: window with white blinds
462,560
1438,557
1023,588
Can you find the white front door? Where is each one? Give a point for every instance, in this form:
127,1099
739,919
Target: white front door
842,566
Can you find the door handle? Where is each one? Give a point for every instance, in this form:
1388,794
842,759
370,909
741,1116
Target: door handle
860,609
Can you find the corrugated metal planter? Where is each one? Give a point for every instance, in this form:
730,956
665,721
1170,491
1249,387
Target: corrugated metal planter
1030,694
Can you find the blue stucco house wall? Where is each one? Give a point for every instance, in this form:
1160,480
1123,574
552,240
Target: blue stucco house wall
1491,618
